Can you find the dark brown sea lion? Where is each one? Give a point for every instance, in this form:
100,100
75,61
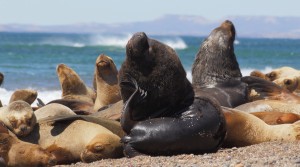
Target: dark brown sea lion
26,95
17,153
160,106
18,117
73,86
216,72
106,77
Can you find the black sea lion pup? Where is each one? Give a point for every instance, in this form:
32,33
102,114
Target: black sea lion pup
202,126
216,71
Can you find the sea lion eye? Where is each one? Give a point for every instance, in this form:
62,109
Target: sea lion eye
98,148
13,123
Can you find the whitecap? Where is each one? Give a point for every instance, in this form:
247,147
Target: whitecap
176,43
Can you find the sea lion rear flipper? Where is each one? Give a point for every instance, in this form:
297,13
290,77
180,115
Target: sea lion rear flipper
265,89
129,151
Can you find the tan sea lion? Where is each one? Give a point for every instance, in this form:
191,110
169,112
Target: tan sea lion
26,95
245,129
17,153
52,110
106,77
18,117
275,118
112,112
282,72
76,105
73,86
89,141
270,106
259,74
290,83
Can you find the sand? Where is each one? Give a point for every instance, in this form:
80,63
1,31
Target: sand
264,154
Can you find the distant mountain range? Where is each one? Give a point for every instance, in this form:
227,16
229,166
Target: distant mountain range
246,26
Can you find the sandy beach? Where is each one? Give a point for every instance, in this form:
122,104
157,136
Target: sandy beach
264,154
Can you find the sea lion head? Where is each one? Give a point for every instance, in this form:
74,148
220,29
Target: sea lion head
70,81
281,72
1,78
216,60
26,95
137,47
102,146
290,83
20,118
105,66
19,153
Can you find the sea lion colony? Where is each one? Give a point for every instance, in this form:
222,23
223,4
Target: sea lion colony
149,107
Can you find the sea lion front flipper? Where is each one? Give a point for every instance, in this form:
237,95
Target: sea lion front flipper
127,121
265,89
129,151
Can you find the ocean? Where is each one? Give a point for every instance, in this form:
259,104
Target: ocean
29,60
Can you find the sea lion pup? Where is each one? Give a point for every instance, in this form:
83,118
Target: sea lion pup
18,117
106,77
1,78
160,113
245,129
90,141
26,95
72,86
216,72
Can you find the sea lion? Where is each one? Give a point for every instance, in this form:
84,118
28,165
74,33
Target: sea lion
18,117
15,152
26,95
216,75
1,78
90,141
244,129
76,105
113,111
259,74
282,72
216,72
72,86
106,77
275,118
160,106
290,83
53,110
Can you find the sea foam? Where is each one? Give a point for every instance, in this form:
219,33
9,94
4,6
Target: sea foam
45,95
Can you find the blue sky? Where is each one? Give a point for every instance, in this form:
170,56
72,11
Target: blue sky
58,12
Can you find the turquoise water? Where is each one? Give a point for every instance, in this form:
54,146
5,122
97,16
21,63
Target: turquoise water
29,60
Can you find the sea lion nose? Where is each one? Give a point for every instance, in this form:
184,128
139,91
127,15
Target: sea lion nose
23,128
